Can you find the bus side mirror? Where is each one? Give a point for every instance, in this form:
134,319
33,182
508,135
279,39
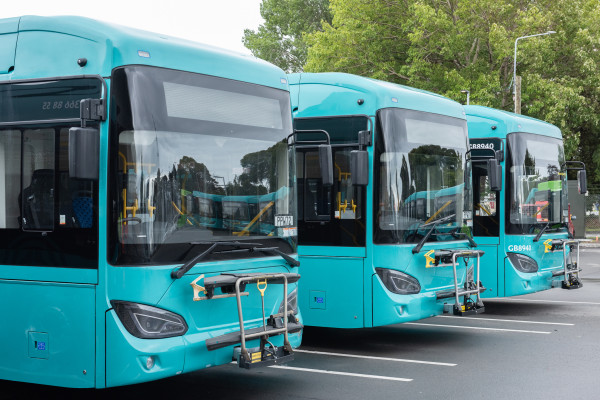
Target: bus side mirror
359,167
84,153
326,164
582,181
495,174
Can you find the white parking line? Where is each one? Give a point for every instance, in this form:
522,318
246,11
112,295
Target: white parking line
375,358
507,320
478,328
324,371
543,301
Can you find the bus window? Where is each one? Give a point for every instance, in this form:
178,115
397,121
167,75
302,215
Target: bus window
486,220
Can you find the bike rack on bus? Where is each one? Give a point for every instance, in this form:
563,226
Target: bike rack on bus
468,306
570,267
234,285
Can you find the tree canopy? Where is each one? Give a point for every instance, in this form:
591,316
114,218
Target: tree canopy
446,46
280,40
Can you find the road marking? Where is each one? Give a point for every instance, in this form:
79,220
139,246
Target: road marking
325,353
479,328
544,301
324,371
507,320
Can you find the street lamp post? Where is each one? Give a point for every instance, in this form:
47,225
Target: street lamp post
517,93
468,93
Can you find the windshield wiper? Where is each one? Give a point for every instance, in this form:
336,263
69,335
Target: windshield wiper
541,232
458,235
433,224
275,250
177,273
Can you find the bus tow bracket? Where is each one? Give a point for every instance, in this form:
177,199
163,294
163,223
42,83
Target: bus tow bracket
472,287
281,323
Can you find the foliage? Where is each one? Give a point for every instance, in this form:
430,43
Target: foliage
280,39
446,46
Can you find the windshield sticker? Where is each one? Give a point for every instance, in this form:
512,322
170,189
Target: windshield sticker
288,232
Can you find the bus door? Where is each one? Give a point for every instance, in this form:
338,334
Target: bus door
331,226
48,236
486,228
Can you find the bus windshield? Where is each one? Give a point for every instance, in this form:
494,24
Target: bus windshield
420,177
197,160
537,183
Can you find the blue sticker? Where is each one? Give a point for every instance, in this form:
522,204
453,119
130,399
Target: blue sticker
41,345
319,300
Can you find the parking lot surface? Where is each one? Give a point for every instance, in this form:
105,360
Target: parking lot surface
541,346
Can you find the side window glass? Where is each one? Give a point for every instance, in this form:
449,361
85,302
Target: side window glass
10,179
317,199
486,204
38,197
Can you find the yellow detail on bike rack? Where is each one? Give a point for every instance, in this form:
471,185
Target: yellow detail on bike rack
263,288
547,245
428,259
197,288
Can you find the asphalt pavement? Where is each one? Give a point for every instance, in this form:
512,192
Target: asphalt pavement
540,346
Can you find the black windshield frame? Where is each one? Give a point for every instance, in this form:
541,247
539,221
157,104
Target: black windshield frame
555,215
393,138
135,106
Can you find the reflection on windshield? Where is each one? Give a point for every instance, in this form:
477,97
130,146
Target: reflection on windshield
538,186
419,181
197,159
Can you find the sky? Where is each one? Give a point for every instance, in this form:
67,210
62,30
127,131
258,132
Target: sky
219,23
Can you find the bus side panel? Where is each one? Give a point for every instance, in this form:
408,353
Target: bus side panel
52,343
490,267
331,292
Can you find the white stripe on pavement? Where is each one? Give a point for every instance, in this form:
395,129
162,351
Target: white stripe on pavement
324,371
543,301
325,353
478,328
507,320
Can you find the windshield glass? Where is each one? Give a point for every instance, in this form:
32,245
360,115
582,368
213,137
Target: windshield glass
198,159
537,183
420,176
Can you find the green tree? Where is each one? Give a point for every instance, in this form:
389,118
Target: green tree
280,40
448,45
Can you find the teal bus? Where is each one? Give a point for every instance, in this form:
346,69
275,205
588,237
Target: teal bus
521,212
374,247
108,135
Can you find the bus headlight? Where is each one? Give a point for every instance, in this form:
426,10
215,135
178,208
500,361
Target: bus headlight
147,322
398,282
292,302
523,263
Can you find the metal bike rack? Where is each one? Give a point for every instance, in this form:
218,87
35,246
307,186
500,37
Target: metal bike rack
234,285
467,307
570,267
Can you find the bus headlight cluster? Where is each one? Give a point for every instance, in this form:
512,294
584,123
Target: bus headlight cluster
523,263
398,282
147,322
292,302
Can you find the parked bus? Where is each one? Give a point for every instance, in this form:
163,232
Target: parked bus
521,215
107,137
375,249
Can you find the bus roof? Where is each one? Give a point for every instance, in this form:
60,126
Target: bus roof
336,93
46,47
486,122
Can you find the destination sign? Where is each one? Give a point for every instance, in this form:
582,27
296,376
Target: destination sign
49,100
481,147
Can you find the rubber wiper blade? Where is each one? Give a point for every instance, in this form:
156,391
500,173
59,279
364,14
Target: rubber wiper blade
274,250
433,224
541,232
464,235
177,273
